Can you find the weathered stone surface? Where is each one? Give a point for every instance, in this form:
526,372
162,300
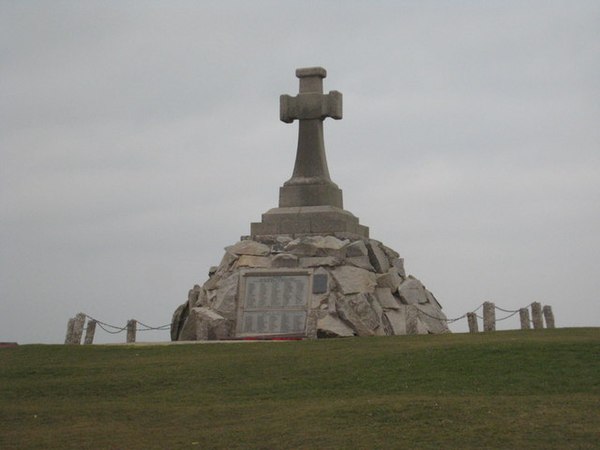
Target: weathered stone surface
536,315
331,301
178,320
254,261
412,320
352,280
386,326
319,300
311,323
356,249
78,328
316,246
360,261
90,331
377,256
188,329
194,295
548,316
489,316
398,263
390,253
225,301
69,334
210,284
284,260
226,262
433,319
131,331
374,302
249,247
386,299
319,261
332,326
431,299
412,292
397,319
357,311
308,220
390,279
524,318
210,325
472,321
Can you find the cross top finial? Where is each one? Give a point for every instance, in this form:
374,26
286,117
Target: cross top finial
311,79
311,103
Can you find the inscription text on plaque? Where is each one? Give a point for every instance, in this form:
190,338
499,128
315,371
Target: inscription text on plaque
274,303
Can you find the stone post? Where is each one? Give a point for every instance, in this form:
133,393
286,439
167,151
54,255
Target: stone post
536,315
411,319
89,332
549,316
78,328
489,316
69,335
131,328
524,316
472,321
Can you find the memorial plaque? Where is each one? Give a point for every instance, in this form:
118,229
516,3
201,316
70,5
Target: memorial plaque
274,303
320,282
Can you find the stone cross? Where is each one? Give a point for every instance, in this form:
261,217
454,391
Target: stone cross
310,184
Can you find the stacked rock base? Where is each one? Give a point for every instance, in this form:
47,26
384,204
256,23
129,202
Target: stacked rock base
364,290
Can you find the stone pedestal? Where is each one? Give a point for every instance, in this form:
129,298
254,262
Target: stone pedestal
309,220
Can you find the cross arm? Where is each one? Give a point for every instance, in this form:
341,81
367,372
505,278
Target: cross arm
310,105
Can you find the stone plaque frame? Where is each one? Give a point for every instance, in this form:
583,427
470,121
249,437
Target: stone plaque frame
262,312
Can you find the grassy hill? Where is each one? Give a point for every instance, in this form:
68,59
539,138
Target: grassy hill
515,389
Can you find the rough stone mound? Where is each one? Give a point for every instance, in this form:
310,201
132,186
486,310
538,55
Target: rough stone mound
363,290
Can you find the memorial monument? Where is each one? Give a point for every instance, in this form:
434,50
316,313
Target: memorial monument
309,268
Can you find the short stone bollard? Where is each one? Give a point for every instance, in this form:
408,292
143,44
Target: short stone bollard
90,330
489,316
548,316
536,316
69,335
472,321
78,328
524,317
131,329
411,320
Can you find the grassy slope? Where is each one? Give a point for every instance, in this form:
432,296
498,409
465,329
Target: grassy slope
538,389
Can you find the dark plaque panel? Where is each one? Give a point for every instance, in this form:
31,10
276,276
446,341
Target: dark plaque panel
274,304
320,283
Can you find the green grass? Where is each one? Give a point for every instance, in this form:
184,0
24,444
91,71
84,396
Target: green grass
517,389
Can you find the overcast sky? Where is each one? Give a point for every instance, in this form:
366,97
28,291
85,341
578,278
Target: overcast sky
138,139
